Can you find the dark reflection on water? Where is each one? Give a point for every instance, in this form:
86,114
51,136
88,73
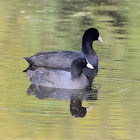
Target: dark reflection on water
75,96
119,18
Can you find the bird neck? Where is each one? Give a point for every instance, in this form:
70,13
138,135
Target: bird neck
76,72
87,47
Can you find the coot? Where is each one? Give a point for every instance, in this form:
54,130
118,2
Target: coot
63,59
60,78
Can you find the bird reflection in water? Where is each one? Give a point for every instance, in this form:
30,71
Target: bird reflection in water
76,97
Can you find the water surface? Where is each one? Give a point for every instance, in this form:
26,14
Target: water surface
28,27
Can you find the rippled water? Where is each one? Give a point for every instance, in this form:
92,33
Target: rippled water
28,27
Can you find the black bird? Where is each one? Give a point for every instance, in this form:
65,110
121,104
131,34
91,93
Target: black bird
60,78
63,59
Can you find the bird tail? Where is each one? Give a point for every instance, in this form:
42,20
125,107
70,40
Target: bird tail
31,64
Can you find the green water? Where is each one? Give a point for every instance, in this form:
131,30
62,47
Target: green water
31,26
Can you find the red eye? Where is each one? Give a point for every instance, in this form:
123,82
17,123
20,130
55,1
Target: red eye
84,60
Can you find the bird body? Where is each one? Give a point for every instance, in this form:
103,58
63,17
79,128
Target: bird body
57,79
60,78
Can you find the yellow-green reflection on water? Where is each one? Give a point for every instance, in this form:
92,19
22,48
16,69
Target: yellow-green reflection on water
28,27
